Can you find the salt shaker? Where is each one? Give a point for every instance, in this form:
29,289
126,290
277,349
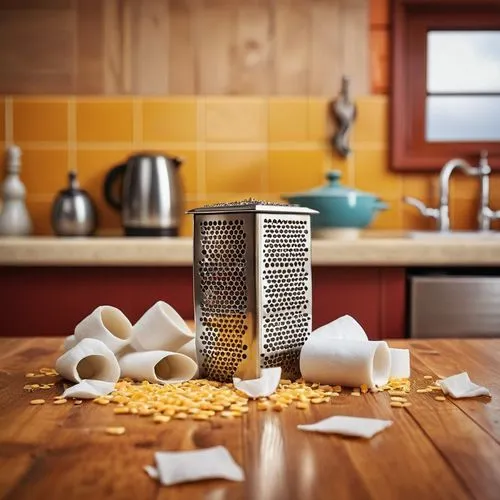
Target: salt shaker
14,217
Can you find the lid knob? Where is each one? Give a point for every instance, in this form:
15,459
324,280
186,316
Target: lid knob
333,177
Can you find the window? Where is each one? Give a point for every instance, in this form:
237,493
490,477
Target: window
446,82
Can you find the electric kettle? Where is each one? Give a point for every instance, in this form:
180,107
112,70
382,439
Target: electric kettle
151,199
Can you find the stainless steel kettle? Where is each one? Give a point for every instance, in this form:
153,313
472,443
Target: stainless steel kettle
151,200
73,211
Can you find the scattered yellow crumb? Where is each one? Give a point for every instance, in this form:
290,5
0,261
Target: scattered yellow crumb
37,402
439,398
115,431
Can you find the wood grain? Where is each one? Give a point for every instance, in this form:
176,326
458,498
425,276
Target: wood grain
161,47
433,450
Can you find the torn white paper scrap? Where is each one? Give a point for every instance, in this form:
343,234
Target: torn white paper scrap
160,328
151,471
461,386
345,327
186,466
89,389
400,363
263,386
107,324
345,362
89,359
161,367
348,426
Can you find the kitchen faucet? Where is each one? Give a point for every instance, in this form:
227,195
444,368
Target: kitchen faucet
442,214
486,214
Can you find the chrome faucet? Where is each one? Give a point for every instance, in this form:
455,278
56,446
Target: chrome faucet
442,214
485,214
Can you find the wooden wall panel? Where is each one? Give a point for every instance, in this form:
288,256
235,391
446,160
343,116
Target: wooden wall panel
161,47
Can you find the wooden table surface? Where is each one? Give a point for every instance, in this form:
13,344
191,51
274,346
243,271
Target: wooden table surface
433,450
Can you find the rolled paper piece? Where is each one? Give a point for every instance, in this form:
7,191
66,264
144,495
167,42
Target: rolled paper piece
107,324
400,363
69,342
160,328
260,387
89,389
345,362
162,367
89,359
345,327
189,350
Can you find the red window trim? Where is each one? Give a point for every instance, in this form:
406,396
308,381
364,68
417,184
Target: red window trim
411,19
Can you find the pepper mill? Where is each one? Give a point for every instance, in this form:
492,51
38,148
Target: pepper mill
14,217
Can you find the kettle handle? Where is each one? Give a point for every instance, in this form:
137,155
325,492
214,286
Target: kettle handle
109,181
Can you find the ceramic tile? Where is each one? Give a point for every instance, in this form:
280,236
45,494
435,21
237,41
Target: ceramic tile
463,214
103,120
293,171
464,187
371,125
44,171
391,218
39,120
343,165
236,120
169,120
413,220
425,187
40,213
319,127
234,171
288,120
92,169
372,174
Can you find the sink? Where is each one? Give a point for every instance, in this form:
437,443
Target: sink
476,235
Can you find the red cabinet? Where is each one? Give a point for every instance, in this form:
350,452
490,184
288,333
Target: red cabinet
51,300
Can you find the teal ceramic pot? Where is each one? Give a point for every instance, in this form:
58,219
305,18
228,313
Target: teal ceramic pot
338,206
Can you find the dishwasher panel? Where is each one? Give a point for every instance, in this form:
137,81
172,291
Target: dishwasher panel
454,306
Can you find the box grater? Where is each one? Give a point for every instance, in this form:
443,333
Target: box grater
252,287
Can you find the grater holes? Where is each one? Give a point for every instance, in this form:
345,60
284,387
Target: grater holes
222,271
285,302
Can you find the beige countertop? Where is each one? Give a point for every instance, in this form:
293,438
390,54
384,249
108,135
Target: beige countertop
375,249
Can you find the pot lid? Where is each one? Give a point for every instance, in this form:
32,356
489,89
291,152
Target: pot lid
251,205
333,188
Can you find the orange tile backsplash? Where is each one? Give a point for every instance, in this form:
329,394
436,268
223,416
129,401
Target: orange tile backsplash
232,147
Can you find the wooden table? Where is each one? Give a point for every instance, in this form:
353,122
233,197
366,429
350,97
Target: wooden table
433,450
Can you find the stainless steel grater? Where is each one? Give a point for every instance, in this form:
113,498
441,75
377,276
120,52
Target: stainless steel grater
252,287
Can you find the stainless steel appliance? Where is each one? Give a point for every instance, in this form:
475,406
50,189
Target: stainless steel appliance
454,305
151,200
73,212
252,282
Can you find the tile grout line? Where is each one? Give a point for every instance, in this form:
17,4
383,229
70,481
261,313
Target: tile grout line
9,120
137,129
72,157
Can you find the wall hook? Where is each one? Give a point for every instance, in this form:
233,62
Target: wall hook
343,112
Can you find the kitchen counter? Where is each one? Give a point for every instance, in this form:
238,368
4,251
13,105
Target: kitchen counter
433,450
375,249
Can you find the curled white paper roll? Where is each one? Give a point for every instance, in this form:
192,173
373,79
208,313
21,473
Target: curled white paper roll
400,363
107,324
160,328
346,362
162,367
69,342
345,327
89,359
189,350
